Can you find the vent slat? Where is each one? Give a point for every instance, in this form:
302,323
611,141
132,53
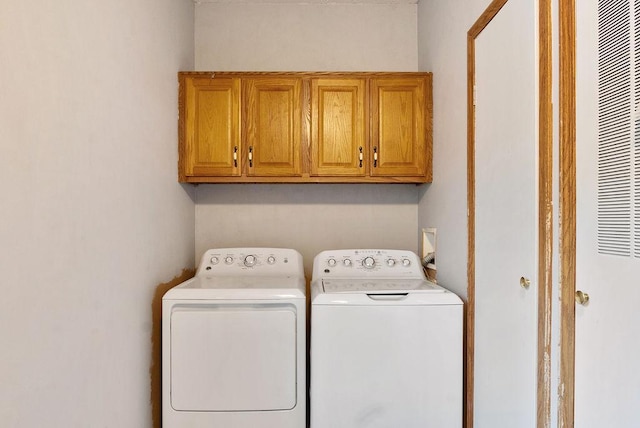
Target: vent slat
615,130
636,139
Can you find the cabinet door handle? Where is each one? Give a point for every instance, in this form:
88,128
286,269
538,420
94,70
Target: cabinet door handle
360,157
250,156
235,157
375,157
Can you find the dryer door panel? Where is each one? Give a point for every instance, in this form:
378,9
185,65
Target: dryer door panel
233,357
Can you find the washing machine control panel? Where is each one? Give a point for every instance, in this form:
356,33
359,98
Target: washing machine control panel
367,263
248,261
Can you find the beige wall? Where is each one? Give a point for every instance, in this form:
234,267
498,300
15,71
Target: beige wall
306,37
309,218
92,218
442,41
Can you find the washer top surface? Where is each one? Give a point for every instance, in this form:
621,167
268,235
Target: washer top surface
374,277
244,273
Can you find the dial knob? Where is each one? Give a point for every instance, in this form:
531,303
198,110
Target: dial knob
346,262
368,262
331,262
406,262
228,260
391,262
214,260
250,260
271,260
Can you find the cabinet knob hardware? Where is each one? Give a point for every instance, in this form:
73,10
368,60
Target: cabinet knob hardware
235,157
375,157
525,282
360,157
250,156
582,298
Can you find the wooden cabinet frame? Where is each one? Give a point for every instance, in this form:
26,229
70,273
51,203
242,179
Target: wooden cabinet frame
303,162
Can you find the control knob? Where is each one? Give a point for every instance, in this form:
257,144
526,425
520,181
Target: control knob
368,262
331,262
228,260
347,262
250,260
406,262
391,262
271,260
214,260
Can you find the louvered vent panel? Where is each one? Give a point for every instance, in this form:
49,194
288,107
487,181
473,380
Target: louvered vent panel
614,127
636,121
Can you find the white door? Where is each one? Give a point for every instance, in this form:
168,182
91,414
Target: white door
607,330
506,219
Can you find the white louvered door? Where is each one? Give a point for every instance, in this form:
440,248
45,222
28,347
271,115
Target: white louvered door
607,381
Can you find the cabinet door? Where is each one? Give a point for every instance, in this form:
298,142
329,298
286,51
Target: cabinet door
398,136
273,126
338,127
211,133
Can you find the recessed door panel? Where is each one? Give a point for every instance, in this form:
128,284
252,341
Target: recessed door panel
233,358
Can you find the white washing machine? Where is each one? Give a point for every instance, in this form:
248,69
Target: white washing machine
386,344
233,342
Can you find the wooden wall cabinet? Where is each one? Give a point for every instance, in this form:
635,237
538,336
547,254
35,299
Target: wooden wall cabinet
305,127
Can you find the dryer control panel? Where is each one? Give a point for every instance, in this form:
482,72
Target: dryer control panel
250,261
367,263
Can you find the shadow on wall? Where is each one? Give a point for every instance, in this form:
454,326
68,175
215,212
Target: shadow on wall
308,194
155,371
307,217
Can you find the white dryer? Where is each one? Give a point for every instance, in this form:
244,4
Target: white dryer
386,344
233,342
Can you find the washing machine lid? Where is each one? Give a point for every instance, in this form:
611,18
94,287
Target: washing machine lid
386,291
237,287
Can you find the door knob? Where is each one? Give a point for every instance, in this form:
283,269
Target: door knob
582,298
524,282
